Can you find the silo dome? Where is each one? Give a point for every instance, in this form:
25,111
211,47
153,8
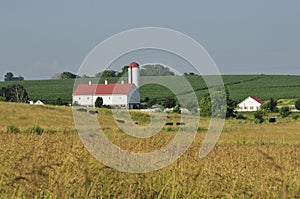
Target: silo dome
134,74
134,65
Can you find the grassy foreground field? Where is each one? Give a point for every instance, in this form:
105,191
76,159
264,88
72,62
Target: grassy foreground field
239,86
249,161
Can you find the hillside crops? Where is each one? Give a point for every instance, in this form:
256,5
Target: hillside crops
239,86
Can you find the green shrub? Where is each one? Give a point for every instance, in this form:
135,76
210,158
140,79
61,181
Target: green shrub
297,104
99,102
177,109
35,129
259,116
2,99
295,116
170,129
12,129
240,116
284,111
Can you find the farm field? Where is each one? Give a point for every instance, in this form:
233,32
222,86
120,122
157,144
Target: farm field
239,86
249,161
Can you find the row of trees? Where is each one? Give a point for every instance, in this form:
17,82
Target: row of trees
208,107
147,70
9,76
18,93
156,70
215,106
65,75
271,107
14,93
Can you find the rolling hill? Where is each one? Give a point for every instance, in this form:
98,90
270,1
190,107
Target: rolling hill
239,86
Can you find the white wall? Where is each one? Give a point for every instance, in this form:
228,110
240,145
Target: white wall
84,100
121,100
113,99
248,105
89,100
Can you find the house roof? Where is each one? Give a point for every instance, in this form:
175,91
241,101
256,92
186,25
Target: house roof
97,89
257,99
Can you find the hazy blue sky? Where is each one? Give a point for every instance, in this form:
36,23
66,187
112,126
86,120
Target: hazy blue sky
41,38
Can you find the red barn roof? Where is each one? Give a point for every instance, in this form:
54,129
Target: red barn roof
257,99
134,65
98,89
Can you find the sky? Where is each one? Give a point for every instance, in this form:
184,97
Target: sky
39,39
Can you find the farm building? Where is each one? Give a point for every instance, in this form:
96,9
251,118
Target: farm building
251,103
121,95
38,102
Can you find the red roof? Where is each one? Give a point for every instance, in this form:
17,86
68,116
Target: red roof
95,89
134,65
257,99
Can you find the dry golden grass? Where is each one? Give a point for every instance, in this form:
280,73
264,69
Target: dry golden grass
249,161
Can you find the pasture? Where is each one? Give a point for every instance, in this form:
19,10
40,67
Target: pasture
239,87
249,161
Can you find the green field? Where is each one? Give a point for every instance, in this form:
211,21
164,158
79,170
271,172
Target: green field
239,86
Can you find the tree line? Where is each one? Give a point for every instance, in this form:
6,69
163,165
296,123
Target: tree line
147,70
14,93
9,76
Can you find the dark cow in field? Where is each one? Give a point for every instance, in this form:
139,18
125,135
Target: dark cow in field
120,121
93,112
81,110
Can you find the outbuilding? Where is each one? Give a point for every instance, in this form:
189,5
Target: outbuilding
251,103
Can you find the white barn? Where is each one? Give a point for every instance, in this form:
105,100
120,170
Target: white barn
251,103
125,96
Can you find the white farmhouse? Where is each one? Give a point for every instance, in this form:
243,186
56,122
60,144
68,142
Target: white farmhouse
249,104
126,96
38,102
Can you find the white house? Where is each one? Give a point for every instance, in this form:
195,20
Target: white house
38,102
251,103
120,95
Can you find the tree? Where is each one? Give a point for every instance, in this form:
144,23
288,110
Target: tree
297,104
231,105
273,105
205,106
106,73
20,78
146,99
155,70
259,116
169,102
177,109
99,102
123,71
284,111
151,102
189,74
16,93
10,77
218,105
270,105
67,75
60,101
